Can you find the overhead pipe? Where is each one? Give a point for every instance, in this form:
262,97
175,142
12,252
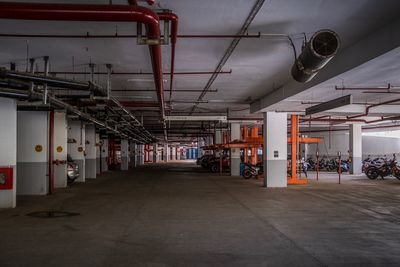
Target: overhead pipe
134,73
127,36
366,113
86,12
173,18
343,88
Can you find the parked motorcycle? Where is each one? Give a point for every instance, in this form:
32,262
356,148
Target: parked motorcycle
252,170
387,168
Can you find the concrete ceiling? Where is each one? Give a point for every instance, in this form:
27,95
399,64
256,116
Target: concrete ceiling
259,65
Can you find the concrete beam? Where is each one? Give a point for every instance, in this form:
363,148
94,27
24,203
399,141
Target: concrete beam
374,45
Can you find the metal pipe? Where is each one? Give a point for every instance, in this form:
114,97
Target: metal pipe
46,73
173,18
109,71
363,88
86,12
372,106
133,36
136,73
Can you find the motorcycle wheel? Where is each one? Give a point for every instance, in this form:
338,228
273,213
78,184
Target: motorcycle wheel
214,168
247,174
396,173
372,173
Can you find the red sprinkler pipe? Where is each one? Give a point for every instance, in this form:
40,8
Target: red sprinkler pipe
78,12
173,18
372,106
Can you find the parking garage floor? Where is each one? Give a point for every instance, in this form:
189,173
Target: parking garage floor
178,215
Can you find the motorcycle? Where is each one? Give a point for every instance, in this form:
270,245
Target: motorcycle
252,170
387,168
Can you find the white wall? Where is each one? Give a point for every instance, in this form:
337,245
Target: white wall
8,147
339,141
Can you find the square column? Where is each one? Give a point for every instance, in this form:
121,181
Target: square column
235,152
275,149
76,146
104,155
141,154
124,155
166,152
32,153
60,147
355,148
133,155
178,153
90,151
98,151
8,149
155,154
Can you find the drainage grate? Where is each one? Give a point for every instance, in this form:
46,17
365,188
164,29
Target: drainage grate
52,214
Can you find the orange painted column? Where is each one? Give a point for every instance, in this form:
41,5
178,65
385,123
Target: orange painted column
254,134
294,146
294,136
245,150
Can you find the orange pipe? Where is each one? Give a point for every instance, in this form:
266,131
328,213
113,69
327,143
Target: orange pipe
294,145
254,134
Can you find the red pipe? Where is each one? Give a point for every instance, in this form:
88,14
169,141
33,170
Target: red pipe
372,106
78,12
173,18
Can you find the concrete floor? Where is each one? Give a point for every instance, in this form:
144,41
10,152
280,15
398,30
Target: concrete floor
177,215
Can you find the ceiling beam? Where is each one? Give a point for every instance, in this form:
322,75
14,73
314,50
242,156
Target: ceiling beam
372,46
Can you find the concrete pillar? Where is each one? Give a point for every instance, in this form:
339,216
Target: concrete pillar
60,149
76,146
235,152
90,151
166,152
141,154
173,152
218,137
275,149
133,155
8,149
155,153
124,155
355,148
98,151
104,155
32,153
178,153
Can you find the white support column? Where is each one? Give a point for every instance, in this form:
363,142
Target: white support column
178,153
76,146
90,151
141,154
218,140
355,148
98,151
124,155
166,152
8,150
275,149
235,152
104,155
155,153
173,152
32,153
133,154
60,149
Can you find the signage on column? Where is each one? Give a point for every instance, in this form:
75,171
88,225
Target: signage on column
38,148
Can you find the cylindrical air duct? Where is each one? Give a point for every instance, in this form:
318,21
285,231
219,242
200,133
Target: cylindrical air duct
315,54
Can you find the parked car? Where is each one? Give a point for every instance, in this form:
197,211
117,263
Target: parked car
204,160
72,170
214,164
